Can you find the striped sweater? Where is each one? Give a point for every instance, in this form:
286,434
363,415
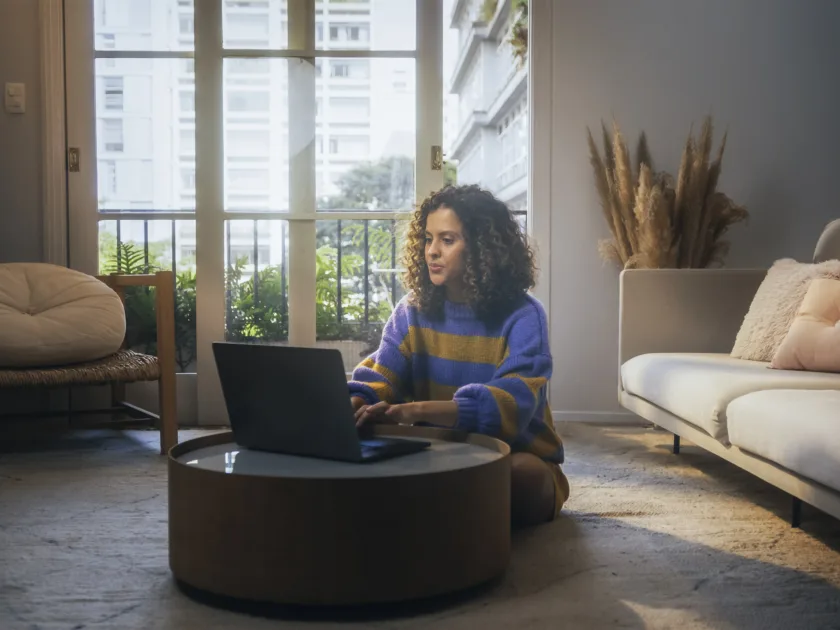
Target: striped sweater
496,374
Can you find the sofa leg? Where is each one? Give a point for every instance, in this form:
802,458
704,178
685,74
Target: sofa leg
796,513
676,444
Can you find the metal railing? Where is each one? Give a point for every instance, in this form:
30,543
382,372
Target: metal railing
248,276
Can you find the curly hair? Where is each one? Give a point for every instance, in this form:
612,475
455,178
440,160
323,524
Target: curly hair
499,264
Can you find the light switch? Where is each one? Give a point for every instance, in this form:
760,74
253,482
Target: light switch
15,98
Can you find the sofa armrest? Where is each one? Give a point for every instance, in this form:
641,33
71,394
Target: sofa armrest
683,310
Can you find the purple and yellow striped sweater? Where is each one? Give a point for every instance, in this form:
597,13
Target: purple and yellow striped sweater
497,374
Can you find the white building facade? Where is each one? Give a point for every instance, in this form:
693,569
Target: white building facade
487,132
145,110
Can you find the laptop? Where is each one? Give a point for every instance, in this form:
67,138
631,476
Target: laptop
294,400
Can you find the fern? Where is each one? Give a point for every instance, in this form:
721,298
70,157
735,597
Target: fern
127,258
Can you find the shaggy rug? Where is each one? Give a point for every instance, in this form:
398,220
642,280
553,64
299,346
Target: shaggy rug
648,540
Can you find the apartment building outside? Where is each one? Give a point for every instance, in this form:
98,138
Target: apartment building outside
486,131
145,110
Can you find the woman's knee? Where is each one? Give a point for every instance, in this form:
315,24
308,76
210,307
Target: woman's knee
532,489
528,472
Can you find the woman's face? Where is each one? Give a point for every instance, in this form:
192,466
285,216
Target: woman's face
445,246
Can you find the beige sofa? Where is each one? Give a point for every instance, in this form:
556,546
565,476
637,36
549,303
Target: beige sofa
677,328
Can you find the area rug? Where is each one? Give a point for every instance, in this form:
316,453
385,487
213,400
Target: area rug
648,540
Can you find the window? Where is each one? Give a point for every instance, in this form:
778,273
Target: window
350,146
188,179
113,13
246,253
187,142
248,179
247,66
250,101
113,93
279,169
246,27
347,109
470,96
185,25
247,143
513,140
112,135
243,202
187,102
349,33
470,166
107,179
247,4
350,69
186,202
143,189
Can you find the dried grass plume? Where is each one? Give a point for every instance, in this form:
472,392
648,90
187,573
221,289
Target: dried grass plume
655,220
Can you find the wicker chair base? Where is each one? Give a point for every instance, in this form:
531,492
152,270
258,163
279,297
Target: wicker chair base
125,366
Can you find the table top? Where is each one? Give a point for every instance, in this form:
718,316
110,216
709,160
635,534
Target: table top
441,456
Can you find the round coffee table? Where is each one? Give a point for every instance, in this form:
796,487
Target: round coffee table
297,530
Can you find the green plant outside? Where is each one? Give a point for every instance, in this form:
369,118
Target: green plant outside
258,310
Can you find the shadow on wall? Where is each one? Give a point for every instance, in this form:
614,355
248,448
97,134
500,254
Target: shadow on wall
770,232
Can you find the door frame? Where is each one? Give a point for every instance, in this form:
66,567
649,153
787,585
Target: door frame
53,130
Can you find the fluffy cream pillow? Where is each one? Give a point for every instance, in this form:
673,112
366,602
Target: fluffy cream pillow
775,305
813,341
51,315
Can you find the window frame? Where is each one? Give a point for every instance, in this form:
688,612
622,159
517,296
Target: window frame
208,57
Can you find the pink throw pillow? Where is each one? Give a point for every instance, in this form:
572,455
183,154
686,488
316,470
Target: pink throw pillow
813,340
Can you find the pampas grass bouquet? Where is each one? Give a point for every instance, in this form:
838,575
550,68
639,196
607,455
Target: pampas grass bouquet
656,220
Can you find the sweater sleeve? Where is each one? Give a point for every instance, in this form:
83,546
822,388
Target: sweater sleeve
504,406
386,374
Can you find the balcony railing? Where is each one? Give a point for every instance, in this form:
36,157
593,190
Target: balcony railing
356,280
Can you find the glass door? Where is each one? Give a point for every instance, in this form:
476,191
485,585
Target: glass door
268,151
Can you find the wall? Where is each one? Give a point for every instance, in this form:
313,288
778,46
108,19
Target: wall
20,135
766,69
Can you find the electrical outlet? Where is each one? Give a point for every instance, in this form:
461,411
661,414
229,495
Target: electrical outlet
15,98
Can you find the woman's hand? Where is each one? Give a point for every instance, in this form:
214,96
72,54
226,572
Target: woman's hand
380,413
438,413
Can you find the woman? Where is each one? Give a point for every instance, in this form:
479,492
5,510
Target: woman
468,348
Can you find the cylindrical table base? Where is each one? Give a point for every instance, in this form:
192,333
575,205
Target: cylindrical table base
338,541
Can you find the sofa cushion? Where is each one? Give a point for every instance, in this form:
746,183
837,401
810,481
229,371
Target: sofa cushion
698,387
775,305
52,315
813,341
798,430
